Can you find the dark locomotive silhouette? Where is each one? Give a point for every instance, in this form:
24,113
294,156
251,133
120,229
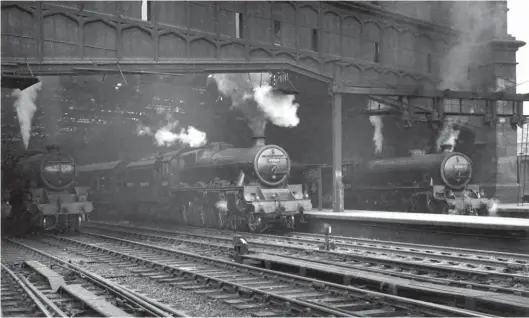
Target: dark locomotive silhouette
434,183
217,185
39,194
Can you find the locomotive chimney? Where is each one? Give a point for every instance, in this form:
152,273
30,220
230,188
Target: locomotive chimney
259,141
446,148
416,152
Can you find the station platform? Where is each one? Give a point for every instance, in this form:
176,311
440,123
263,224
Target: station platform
494,233
514,210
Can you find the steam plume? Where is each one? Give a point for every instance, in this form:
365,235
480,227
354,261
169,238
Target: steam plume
222,205
476,22
378,138
166,137
376,122
449,134
192,137
26,107
279,109
252,94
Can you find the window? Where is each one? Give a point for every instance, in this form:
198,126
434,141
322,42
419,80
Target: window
277,32
376,58
238,25
146,10
315,40
429,63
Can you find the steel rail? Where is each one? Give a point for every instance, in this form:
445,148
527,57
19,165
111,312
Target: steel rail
228,247
157,309
481,255
36,296
364,258
436,248
389,299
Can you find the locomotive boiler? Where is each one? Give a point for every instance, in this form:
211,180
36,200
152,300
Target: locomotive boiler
42,193
434,183
216,185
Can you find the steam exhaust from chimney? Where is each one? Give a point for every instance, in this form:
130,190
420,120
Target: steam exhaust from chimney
259,141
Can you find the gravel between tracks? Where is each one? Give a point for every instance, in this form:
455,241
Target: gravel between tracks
193,304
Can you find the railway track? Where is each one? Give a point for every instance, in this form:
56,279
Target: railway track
264,292
417,262
20,299
38,284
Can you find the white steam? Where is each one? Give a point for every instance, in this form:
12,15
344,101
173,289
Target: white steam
448,135
222,205
192,137
166,137
26,107
252,94
144,130
279,109
378,137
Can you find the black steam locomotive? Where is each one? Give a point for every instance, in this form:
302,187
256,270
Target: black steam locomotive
212,186
434,183
39,194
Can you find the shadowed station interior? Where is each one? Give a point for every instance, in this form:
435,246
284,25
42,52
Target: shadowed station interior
262,159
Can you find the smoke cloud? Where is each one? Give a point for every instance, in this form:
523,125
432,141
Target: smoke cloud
378,137
279,109
26,107
252,94
476,21
449,134
166,137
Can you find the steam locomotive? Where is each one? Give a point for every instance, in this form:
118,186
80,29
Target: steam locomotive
434,183
39,194
216,185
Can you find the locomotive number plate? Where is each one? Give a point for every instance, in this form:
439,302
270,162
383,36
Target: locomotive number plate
59,167
274,160
459,166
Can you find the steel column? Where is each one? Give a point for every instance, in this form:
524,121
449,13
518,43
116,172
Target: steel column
337,153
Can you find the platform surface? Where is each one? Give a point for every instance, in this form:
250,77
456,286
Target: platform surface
514,207
489,222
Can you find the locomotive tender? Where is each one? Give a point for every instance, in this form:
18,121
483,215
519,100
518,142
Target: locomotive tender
434,183
41,195
216,185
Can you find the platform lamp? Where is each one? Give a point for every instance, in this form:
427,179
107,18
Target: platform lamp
17,81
